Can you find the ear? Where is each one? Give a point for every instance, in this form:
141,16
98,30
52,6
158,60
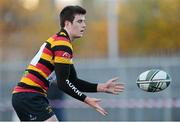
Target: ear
67,23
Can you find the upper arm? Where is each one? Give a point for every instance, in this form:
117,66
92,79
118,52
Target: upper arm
63,52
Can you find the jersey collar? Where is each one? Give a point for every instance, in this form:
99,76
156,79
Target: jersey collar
63,33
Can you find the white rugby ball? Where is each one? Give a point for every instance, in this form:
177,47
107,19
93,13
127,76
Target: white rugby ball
153,80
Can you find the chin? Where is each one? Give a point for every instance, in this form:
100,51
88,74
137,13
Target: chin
79,36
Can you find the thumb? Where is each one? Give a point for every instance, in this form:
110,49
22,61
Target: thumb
97,100
113,80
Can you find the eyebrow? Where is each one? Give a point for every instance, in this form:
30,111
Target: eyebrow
80,20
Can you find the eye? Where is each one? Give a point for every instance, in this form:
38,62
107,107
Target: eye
80,21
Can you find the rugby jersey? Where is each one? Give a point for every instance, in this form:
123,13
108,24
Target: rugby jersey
53,62
57,49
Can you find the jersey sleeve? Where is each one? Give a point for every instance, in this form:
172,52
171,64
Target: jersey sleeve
63,52
62,73
82,85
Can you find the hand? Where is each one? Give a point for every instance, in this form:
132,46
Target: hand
111,86
93,102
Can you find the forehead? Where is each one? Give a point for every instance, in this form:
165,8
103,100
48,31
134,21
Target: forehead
79,17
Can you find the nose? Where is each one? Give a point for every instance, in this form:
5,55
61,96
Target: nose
84,24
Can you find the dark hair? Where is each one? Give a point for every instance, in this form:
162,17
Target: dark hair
69,12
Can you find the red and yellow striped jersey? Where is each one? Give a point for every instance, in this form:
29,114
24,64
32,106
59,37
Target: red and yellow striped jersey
57,49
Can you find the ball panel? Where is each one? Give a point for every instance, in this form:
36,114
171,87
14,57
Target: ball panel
168,77
161,75
144,86
163,86
167,83
152,87
151,74
143,76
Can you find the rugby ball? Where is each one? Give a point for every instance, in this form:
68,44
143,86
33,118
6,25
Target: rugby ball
153,80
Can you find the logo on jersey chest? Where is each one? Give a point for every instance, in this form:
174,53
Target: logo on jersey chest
66,55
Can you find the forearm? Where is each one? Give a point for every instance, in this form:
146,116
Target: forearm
86,86
62,73
71,90
82,85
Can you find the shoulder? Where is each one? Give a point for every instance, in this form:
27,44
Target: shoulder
59,41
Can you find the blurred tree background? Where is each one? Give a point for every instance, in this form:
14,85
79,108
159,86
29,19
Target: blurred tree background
150,27
145,27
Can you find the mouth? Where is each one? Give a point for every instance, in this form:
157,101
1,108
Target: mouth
82,31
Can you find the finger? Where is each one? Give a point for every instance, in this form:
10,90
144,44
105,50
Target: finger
114,79
118,90
116,93
112,92
97,100
101,110
119,87
116,84
119,84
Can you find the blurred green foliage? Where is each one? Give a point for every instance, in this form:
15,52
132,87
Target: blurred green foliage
150,27
146,27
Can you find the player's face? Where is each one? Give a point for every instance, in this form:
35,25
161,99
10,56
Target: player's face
78,26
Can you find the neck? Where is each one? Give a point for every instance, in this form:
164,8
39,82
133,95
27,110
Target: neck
71,38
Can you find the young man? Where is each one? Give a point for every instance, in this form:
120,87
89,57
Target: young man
54,60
